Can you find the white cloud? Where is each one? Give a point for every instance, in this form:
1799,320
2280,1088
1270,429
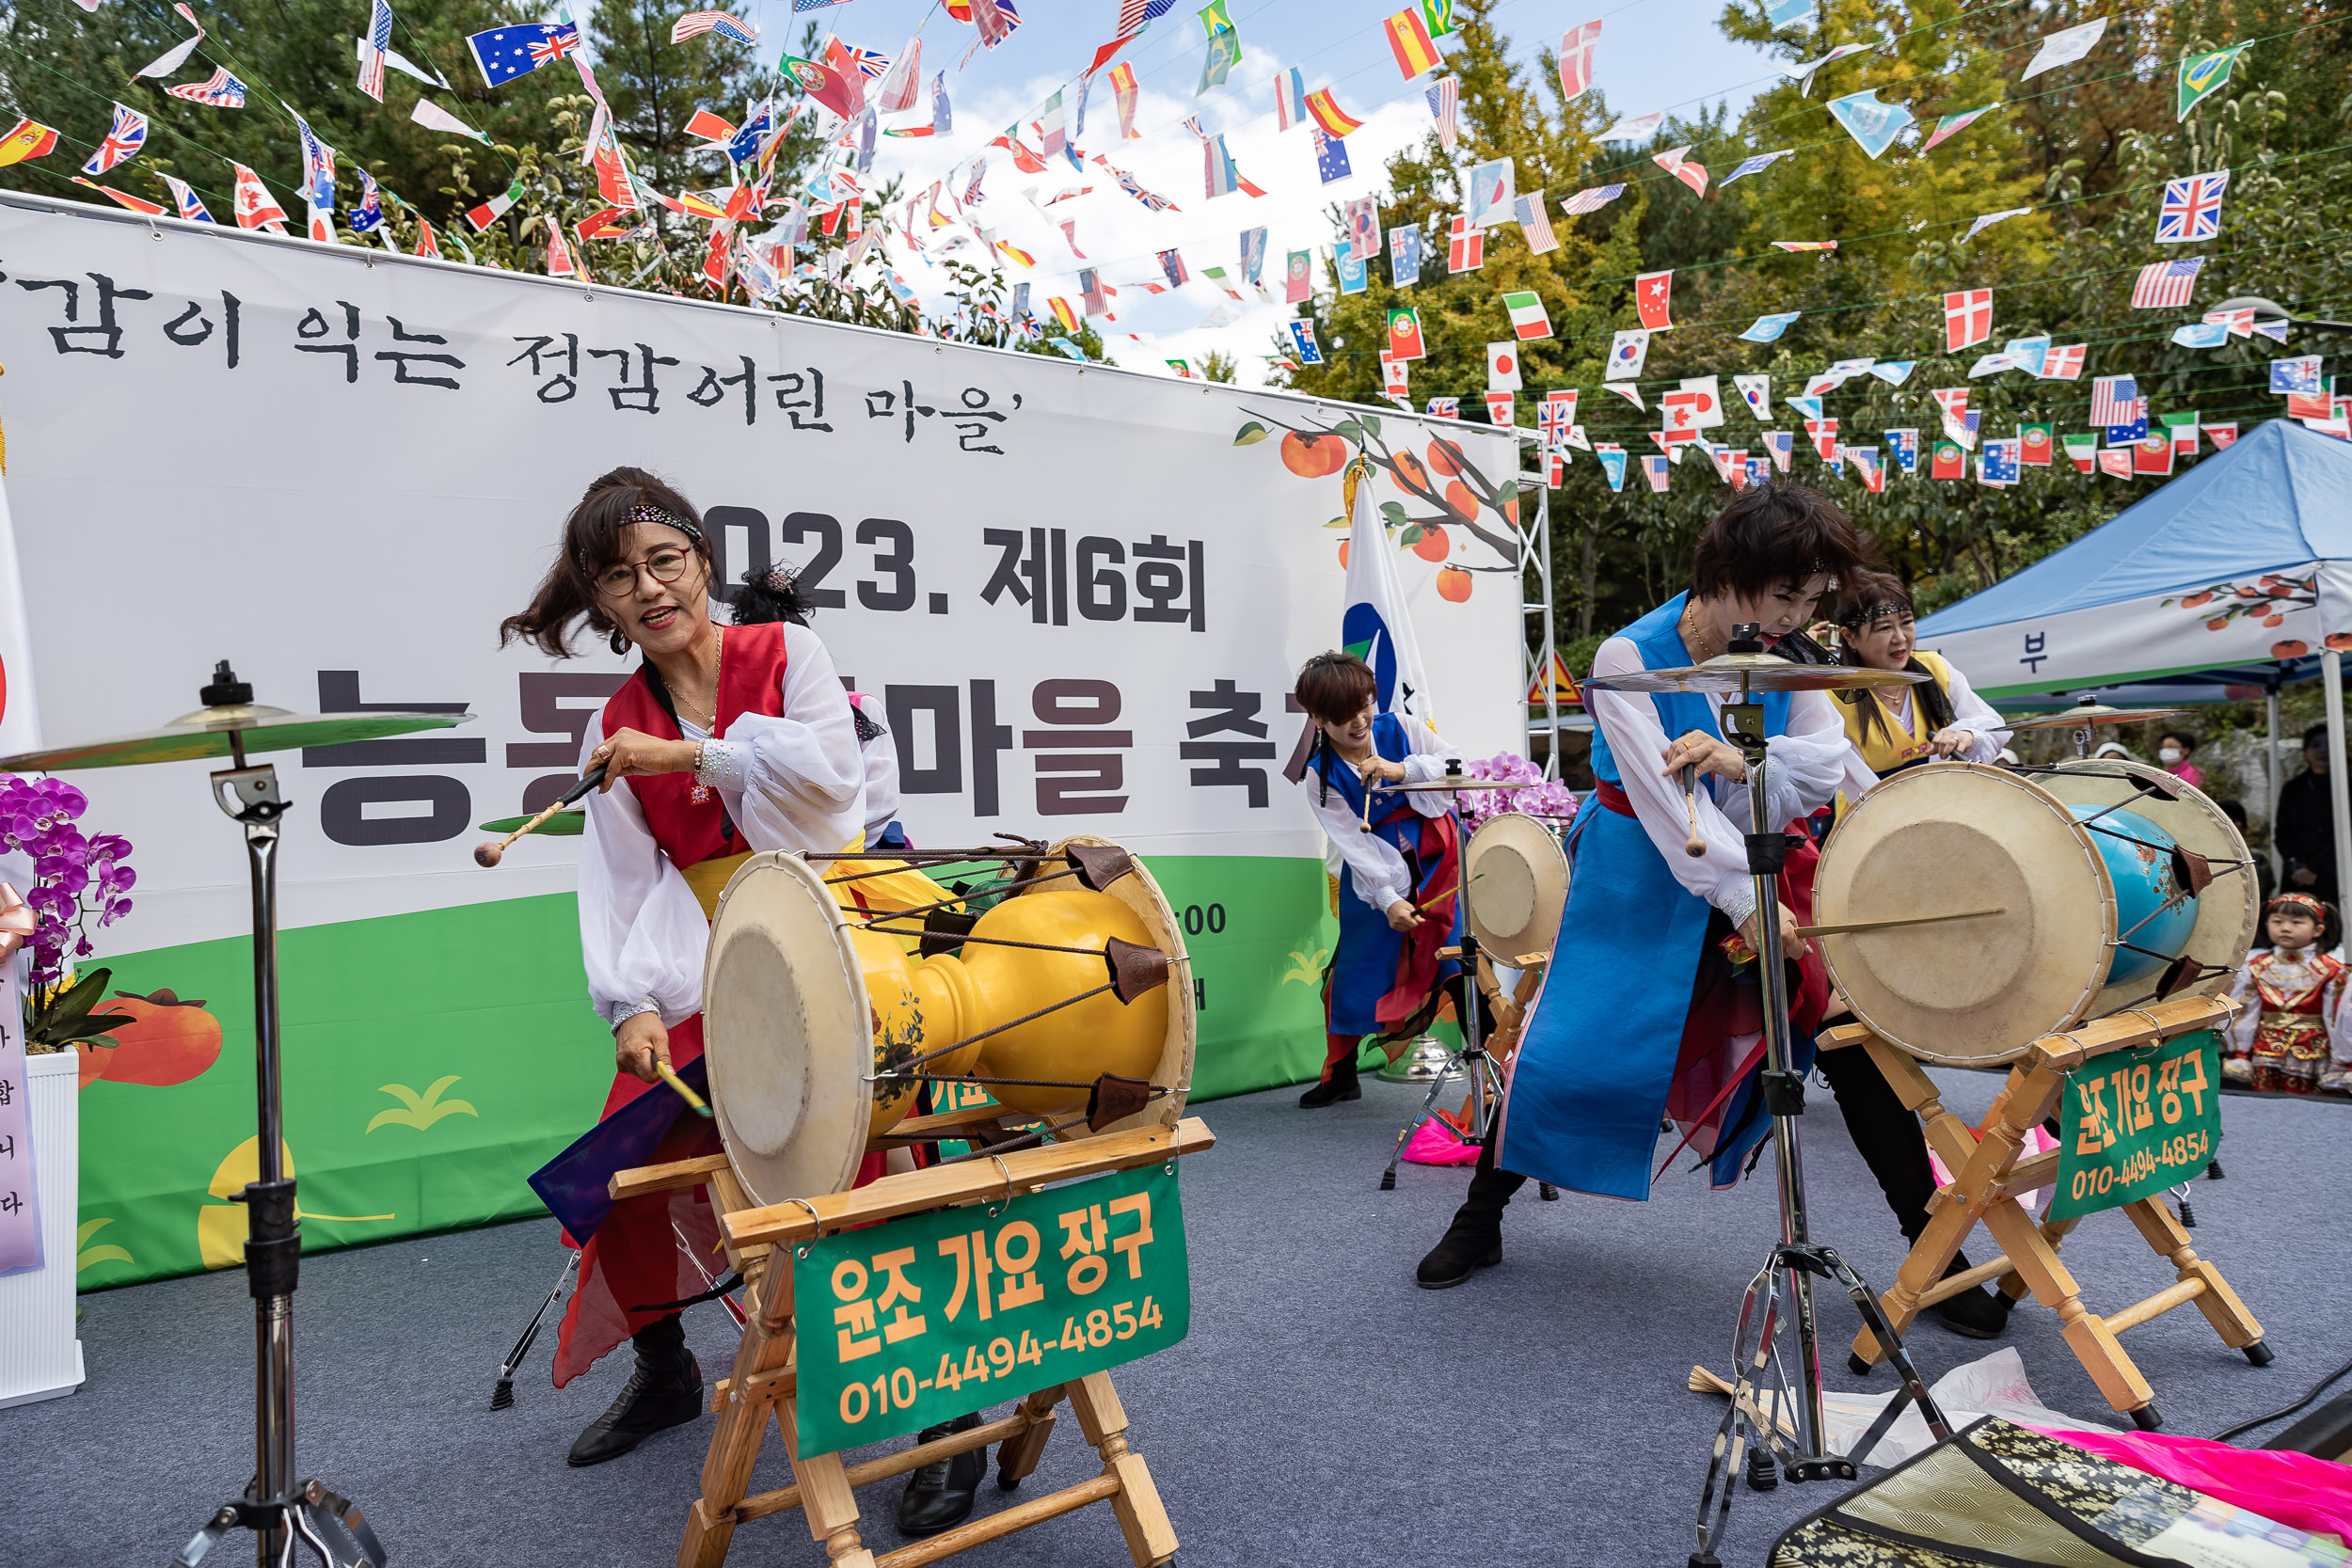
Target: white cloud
1121,237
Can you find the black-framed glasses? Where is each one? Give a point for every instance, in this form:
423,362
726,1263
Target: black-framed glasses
664,566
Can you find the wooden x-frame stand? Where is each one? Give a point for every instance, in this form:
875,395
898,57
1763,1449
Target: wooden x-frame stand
758,1243
1991,1177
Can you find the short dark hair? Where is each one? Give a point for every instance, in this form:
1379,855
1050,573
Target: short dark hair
1334,687
1773,533
2188,741
2315,736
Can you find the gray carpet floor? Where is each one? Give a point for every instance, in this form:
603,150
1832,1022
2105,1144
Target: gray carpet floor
1323,1412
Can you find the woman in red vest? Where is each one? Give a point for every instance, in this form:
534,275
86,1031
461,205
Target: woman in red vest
725,742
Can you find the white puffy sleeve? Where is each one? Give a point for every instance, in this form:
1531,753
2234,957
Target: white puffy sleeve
1424,763
797,782
881,757
1972,713
1804,766
2331,1011
642,932
1628,721
1381,877
2249,1016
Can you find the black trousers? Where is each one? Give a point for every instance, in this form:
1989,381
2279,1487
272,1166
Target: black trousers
1884,1131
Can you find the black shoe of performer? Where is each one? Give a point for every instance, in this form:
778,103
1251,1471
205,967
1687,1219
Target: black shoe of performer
939,1495
664,1391
1974,1314
1341,1085
1465,1249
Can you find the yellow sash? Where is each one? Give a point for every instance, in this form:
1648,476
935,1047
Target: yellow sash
708,879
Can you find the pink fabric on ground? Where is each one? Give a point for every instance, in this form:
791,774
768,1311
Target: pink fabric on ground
2296,1489
1435,1144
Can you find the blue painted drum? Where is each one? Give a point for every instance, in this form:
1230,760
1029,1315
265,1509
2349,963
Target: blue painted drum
2153,912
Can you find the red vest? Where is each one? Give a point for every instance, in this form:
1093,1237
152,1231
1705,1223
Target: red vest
751,680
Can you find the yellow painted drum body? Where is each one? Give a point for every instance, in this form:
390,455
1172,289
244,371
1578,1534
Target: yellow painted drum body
2096,908
801,1006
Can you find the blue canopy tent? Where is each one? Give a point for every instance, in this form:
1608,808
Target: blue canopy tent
2236,574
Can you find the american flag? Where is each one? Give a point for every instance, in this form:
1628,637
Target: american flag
371,49
124,138
2166,285
1444,97
222,91
2114,398
1592,200
2192,208
2063,364
1534,223
1132,13
725,23
369,215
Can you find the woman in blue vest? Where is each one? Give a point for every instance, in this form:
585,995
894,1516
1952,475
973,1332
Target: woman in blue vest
1673,1028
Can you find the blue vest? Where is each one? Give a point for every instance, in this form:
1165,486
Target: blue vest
1589,1084
1364,968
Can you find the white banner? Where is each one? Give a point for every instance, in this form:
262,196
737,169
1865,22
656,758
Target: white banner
1080,599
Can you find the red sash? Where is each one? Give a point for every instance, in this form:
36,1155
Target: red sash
751,680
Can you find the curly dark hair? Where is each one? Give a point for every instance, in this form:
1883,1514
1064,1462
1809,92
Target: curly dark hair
592,542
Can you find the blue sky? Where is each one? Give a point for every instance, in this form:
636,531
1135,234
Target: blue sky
1654,55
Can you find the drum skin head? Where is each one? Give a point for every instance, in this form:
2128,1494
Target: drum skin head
1952,837
787,1033
1140,892
1518,884
2231,905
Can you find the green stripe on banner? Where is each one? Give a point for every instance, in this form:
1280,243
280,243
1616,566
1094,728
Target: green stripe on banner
434,1060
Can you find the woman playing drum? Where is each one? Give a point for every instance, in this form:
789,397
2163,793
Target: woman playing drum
1902,726
722,743
1646,924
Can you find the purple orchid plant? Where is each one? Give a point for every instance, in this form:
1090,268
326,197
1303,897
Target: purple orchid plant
1542,798
81,883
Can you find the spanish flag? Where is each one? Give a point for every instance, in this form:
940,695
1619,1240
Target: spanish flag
125,198
1327,114
1016,253
1408,37
27,141
1060,308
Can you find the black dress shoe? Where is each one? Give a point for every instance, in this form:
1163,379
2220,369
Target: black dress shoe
1461,1252
1978,1314
664,1391
939,1495
1341,1085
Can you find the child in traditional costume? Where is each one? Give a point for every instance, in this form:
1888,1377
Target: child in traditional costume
722,743
1647,929
2291,1039
1394,883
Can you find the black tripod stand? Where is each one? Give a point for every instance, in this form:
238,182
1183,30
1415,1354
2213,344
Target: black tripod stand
1791,1432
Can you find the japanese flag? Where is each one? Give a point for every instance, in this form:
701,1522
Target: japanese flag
1503,367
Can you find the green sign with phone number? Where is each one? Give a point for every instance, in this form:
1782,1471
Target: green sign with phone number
2137,1123
915,1322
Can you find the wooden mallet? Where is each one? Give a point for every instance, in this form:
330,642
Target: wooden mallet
489,851
1695,846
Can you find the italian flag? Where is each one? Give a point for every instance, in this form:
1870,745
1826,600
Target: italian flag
2082,450
1527,316
494,209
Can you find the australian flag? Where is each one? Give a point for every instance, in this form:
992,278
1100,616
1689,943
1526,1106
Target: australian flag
506,52
745,145
1303,338
369,215
1330,157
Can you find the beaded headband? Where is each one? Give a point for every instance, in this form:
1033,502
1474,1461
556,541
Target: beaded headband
1863,615
2304,900
645,511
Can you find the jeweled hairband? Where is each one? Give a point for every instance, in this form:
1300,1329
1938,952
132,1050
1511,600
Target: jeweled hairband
645,511
1867,614
2306,900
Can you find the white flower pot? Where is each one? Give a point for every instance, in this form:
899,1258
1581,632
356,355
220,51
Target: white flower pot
39,1356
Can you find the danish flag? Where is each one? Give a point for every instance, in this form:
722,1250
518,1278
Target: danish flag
2063,364
1466,247
1967,319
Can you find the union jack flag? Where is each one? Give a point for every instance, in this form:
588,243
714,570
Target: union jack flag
1552,417
724,23
2166,285
2192,208
2114,400
870,65
190,207
124,138
554,47
222,91
1445,408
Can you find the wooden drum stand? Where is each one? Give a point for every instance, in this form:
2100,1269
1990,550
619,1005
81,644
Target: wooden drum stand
1991,1176
758,1243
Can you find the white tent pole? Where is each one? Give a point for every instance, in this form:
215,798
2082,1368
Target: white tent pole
2270,815
2339,786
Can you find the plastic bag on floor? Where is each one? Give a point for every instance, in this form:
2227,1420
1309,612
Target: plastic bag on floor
1995,1386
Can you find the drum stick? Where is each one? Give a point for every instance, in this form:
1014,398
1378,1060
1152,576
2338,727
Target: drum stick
1890,925
1694,846
488,853
670,1078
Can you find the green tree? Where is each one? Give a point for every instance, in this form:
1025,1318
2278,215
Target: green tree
1220,365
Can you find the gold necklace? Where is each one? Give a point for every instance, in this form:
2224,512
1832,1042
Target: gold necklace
711,720
1701,646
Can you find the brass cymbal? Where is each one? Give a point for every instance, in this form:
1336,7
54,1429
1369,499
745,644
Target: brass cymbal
206,733
2091,713
1732,674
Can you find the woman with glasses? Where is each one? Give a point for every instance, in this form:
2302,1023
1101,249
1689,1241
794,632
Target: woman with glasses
724,742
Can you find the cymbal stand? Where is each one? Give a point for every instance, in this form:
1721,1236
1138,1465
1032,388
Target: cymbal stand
1471,1060
275,1508
1797,1257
